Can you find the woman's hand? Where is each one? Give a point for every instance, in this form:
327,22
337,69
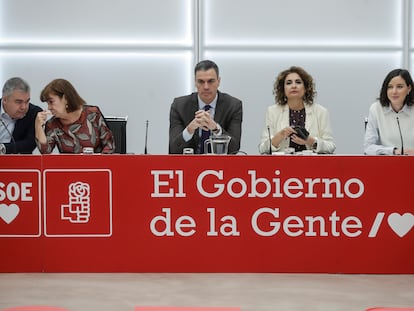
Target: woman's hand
287,131
297,140
40,121
41,118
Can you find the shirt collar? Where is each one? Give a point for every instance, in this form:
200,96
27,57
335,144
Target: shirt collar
405,109
3,113
213,104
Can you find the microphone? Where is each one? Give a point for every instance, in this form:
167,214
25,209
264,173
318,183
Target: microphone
11,135
270,140
146,137
402,142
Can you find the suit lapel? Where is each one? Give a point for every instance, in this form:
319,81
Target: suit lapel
309,117
194,108
194,104
218,114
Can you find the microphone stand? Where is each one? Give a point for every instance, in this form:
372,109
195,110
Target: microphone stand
270,140
13,141
402,142
146,137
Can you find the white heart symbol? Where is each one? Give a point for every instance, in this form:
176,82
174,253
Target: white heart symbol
9,212
401,224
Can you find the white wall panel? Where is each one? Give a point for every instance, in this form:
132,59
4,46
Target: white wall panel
303,23
96,21
347,83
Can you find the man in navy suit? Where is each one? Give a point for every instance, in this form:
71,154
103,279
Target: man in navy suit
17,118
207,109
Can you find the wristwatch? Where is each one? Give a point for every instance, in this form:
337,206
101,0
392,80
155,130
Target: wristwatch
2,149
315,144
217,129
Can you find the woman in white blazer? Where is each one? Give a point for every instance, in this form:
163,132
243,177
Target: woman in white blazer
295,120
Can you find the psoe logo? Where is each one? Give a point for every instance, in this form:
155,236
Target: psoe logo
20,204
78,209
77,202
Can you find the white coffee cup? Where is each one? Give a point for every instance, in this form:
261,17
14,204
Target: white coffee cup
307,152
188,151
87,150
289,150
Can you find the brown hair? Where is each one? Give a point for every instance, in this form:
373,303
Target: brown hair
279,85
62,87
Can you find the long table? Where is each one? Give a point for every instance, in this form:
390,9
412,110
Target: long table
196,213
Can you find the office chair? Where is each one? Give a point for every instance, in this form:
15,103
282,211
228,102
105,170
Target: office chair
118,127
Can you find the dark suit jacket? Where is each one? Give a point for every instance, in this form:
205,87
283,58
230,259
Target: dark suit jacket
24,132
229,114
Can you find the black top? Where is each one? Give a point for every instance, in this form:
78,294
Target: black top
297,118
24,133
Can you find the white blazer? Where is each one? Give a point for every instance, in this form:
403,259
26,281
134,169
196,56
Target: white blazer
316,122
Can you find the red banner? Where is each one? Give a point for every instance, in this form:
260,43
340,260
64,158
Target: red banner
136,213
